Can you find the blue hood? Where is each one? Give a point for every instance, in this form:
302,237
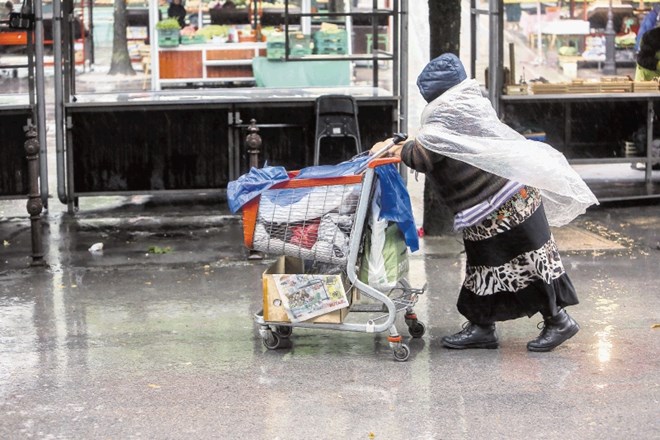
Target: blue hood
440,75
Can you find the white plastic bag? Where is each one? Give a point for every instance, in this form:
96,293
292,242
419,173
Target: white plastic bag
385,260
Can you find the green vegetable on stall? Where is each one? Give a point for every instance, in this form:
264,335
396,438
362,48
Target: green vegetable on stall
213,30
168,24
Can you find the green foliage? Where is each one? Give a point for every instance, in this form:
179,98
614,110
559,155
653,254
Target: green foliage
168,24
213,30
159,250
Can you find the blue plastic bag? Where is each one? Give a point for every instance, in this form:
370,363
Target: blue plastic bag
347,168
253,183
395,204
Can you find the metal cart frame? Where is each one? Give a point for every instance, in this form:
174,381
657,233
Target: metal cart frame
401,298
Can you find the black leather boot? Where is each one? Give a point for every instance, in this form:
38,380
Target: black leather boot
556,330
472,336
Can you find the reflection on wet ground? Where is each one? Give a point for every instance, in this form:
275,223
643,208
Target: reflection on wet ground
131,344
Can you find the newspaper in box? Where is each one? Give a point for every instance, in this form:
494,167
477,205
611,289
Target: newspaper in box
290,295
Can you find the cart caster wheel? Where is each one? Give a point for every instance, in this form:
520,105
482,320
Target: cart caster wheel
402,353
283,331
417,329
273,341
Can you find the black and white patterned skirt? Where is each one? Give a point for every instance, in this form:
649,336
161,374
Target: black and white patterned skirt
513,264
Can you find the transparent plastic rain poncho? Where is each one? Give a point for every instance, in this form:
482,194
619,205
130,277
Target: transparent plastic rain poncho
463,125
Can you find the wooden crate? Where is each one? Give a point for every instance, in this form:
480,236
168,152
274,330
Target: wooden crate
645,86
550,88
517,89
582,86
616,86
614,79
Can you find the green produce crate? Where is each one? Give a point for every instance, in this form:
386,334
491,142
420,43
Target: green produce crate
168,37
192,39
331,42
299,45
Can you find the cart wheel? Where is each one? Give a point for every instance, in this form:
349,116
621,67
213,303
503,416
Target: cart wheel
283,331
402,353
417,329
272,341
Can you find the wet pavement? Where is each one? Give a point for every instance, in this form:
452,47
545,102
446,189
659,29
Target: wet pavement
154,338
135,344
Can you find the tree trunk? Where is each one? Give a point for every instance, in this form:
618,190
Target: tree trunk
121,60
445,26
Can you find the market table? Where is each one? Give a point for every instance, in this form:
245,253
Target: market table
190,140
15,111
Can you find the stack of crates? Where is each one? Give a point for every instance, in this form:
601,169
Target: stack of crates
168,37
299,45
331,42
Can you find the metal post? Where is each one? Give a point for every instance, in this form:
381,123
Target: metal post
34,205
402,80
609,67
41,99
495,54
473,38
59,105
253,143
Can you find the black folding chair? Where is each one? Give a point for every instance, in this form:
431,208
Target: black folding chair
337,118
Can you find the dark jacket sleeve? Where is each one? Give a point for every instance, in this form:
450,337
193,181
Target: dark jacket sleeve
419,158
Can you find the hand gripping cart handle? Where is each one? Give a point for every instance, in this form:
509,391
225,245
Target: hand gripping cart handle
323,220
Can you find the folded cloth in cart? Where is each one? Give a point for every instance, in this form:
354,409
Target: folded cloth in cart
330,245
303,204
395,201
257,180
395,205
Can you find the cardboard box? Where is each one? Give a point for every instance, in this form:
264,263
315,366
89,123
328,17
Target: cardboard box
274,310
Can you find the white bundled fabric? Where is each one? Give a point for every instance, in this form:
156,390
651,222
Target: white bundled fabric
264,242
286,205
331,245
463,125
330,230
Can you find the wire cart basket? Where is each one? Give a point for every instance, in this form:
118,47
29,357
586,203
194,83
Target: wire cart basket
322,220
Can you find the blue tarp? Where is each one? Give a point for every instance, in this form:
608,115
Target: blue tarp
253,183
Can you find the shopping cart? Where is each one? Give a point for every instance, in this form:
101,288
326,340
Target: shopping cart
322,220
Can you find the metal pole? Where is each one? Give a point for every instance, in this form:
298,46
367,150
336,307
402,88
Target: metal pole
34,205
41,99
648,172
253,143
539,37
609,66
153,44
374,43
90,10
495,51
401,53
59,102
402,81
473,38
